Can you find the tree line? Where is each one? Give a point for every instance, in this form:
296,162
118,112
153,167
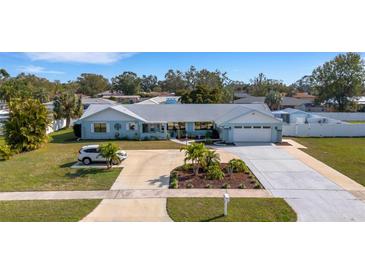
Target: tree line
336,81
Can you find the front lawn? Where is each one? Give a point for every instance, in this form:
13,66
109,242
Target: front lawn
49,168
239,210
46,210
347,155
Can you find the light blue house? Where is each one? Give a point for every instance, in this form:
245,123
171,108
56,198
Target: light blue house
229,122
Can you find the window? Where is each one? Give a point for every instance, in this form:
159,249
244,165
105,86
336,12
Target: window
266,127
91,150
237,126
145,128
256,127
247,127
175,125
203,125
100,127
132,126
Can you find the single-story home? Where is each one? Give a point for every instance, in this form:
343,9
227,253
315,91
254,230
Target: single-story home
230,122
161,100
296,116
287,102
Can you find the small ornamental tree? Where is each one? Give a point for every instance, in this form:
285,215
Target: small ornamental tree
195,153
27,125
109,152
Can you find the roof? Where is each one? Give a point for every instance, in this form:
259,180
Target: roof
181,112
287,101
160,100
89,101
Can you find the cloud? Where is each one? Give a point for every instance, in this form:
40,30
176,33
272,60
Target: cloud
79,57
36,69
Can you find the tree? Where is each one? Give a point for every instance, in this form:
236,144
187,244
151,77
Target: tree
3,74
195,153
174,81
202,95
109,152
211,157
67,106
91,84
273,100
128,83
339,80
149,83
261,86
27,125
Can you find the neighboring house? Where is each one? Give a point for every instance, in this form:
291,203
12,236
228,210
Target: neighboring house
161,100
233,123
4,116
295,116
304,124
304,95
287,102
87,101
119,97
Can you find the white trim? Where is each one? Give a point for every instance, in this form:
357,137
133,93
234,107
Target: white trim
107,127
92,128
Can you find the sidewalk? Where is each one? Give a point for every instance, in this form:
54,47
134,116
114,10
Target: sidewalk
131,194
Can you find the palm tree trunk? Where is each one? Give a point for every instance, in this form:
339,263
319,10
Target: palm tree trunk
68,122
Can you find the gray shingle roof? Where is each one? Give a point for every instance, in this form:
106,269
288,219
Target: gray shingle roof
181,112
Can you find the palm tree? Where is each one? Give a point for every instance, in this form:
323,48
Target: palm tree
273,99
195,153
68,105
211,157
109,152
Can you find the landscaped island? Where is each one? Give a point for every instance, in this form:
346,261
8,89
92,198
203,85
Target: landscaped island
206,171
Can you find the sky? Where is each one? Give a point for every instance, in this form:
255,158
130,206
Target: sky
66,66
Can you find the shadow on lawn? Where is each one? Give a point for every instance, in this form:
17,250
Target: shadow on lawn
214,218
67,165
84,172
66,137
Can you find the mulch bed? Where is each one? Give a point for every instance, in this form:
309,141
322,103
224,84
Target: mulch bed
241,180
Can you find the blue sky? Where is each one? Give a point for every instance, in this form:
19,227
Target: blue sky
288,67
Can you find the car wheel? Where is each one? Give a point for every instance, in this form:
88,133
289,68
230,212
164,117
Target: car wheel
86,161
115,162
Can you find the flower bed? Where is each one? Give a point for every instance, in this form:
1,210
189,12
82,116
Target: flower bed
187,179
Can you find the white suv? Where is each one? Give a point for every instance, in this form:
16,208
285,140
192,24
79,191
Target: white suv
91,153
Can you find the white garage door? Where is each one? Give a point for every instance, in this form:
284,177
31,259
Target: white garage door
251,134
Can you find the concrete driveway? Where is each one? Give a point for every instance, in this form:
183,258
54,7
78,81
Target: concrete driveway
143,169
312,196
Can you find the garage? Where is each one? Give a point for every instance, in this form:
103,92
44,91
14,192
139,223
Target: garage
252,134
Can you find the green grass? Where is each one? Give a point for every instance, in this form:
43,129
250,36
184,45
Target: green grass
239,210
46,210
347,155
356,122
2,140
49,168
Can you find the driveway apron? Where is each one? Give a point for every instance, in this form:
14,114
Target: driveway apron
310,194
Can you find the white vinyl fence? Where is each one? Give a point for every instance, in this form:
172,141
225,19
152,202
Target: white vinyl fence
343,116
324,130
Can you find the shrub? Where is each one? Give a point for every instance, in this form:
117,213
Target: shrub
257,185
237,165
174,183
5,152
187,167
214,172
226,185
173,175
